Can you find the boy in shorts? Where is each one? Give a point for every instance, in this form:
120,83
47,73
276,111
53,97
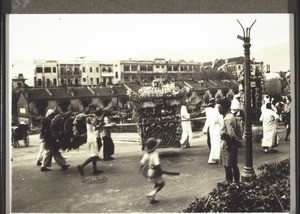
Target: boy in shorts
151,163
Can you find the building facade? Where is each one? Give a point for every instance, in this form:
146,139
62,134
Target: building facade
51,73
236,66
81,72
146,71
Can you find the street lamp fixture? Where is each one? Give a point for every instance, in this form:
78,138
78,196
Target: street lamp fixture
248,173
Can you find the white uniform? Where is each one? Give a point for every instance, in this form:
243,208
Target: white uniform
187,134
92,135
270,138
215,122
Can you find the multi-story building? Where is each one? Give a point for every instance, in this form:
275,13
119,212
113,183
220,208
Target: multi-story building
82,72
50,73
139,70
235,65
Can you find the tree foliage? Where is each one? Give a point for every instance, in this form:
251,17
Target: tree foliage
273,87
213,74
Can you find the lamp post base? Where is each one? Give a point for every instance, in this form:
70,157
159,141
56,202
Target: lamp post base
248,174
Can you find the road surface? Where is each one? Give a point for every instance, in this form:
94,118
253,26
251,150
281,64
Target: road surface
121,188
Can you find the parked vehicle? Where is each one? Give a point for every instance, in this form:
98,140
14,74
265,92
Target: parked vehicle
20,132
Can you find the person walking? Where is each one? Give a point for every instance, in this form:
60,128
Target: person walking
230,142
93,133
270,138
108,144
287,117
151,160
41,151
187,134
208,113
214,123
49,147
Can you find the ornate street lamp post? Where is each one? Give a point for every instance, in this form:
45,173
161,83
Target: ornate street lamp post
248,173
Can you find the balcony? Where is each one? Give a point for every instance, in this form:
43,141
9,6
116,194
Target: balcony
73,73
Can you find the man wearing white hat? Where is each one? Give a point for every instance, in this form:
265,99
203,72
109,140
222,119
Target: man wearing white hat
237,111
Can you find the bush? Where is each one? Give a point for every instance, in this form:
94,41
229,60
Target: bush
270,192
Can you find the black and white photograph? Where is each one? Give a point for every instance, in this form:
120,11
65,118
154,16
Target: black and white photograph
150,113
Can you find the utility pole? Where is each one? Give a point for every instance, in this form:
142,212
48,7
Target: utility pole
248,173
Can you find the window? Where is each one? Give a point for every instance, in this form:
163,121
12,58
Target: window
84,79
117,75
143,68
39,69
150,68
98,81
76,81
91,81
63,70
39,83
157,66
47,69
91,70
134,67
48,82
169,68
54,82
126,68
76,71
175,68
54,69
103,69
62,81
97,69
83,69
109,69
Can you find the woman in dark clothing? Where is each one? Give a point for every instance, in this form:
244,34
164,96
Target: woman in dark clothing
108,144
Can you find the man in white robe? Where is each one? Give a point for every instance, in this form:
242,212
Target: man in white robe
270,138
187,134
214,122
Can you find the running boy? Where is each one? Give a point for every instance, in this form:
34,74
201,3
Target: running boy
151,162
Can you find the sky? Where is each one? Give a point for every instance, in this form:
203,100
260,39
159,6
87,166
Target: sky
106,37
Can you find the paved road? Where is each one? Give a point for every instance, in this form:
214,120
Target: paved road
120,188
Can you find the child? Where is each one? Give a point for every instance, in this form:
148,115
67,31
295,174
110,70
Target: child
151,160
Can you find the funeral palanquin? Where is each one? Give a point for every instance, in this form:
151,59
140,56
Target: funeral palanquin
157,112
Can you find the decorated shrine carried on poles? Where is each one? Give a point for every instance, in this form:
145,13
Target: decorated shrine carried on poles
157,112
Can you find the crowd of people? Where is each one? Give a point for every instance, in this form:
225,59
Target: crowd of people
224,127
98,127
271,113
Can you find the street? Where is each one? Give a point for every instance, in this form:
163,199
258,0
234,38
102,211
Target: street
121,188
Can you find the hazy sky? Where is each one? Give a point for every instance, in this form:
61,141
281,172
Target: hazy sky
198,37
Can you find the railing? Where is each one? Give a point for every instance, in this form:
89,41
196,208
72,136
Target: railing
162,121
